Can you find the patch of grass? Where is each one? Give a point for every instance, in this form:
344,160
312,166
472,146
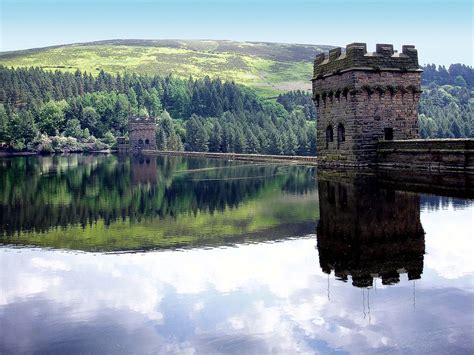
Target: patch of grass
271,68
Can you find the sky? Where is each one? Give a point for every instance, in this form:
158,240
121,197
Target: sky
441,30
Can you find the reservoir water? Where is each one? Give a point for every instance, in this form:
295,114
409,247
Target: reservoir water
106,254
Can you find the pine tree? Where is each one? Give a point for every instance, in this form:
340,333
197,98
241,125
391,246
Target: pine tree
215,140
196,136
291,143
161,139
253,145
240,143
275,143
3,124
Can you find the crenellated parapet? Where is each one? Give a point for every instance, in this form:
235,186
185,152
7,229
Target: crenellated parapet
139,122
356,57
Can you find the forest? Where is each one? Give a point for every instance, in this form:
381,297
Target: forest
46,112
446,108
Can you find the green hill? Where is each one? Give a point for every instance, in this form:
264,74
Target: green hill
268,67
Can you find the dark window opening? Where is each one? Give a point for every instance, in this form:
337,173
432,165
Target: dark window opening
147,141
341,134
140,141
329,135
388,133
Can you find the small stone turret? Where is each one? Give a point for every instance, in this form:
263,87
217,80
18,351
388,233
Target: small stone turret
142,134
362,98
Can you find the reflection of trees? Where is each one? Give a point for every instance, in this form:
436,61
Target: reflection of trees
42,192
433,203
368,231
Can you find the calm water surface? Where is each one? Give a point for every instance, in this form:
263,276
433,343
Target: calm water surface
101,254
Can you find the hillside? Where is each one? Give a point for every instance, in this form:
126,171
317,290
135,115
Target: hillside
268,67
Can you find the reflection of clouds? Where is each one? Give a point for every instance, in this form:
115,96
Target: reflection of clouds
449,241
256,298
53,265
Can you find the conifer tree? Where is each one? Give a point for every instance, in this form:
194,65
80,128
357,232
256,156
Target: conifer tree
215,140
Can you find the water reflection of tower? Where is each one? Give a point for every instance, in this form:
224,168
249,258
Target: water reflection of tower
368,231
144,169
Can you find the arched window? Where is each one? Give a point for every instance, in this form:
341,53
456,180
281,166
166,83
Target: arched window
341,134
140,141
329,135
147,141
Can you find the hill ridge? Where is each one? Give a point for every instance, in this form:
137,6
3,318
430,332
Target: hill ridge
269,67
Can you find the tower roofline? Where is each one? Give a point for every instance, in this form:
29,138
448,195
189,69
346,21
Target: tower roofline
356,57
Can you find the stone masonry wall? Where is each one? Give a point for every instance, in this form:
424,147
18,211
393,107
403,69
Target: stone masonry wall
435,155
142,135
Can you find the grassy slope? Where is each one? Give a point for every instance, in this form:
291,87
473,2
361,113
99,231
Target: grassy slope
268,67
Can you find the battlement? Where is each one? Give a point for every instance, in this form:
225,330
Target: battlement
356,57
139,121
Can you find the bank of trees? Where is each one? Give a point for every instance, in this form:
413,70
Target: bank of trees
447,104
60,111
298,99
249,133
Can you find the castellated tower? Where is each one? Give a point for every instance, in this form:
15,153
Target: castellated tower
362,98
142,134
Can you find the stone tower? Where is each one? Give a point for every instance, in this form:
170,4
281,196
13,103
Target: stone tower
362,98
142,134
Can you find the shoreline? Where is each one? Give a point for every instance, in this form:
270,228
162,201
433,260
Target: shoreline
6,154
297,159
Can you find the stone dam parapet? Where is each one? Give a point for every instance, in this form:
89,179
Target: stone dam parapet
435,155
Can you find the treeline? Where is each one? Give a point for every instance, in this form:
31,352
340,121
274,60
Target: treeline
446,108
456,74
60,111
252,133
298,99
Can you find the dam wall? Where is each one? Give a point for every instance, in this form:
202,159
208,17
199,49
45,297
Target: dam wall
428,155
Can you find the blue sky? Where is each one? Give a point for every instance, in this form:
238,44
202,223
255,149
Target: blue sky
441,30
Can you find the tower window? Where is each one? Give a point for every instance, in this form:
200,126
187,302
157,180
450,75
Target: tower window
147,141
388,134
329,135
341,134
140,141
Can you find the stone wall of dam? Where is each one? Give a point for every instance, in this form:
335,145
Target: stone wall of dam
309,160
427,156
432,155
